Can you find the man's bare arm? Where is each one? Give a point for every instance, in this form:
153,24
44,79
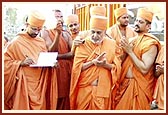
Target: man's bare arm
54,46
45,36
147,60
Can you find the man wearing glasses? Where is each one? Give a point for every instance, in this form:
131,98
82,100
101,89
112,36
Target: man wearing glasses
95,69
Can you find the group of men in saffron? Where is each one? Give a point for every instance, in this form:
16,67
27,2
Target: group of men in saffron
116,68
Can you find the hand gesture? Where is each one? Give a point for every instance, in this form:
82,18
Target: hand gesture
125,45
59,27
77,41
100,60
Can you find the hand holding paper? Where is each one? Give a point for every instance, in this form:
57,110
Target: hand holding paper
46,59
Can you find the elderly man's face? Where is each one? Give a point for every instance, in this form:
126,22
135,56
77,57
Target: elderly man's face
97,35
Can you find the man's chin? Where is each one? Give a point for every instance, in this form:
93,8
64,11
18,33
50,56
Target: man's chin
75,32
96,41
125,25
33,36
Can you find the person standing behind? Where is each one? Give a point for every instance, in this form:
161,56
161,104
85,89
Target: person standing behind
24,86
121,29
73,26
59,40
94,68
159,73
136,85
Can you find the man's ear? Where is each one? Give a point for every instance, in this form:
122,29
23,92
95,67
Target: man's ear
149,26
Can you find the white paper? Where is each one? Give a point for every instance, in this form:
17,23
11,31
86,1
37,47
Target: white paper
46,59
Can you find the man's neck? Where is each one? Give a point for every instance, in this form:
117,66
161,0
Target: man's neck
73,35
123,28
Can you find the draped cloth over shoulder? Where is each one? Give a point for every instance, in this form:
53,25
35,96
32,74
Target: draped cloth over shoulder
82,94
159,88
115,33
24,87
136,93
63,72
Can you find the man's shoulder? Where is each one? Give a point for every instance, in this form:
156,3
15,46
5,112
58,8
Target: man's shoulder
109,40
151,36
112,27
65,34
130,27
66,31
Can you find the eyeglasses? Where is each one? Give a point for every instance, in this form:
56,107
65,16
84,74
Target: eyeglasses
98,32
71,25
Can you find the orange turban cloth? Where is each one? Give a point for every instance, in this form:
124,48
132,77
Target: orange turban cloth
98,22
36,19
98,10
145,14
120,11
72,18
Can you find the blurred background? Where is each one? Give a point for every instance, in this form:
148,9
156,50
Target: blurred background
14,14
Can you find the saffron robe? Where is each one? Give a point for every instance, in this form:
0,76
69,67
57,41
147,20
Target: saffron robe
63,72
115,33
83,95
159,88
24,87
136,93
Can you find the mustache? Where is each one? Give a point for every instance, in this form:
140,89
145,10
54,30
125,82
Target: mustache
137,26
34,34
74,29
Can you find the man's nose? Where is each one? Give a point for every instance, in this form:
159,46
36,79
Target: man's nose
36,32
74,27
